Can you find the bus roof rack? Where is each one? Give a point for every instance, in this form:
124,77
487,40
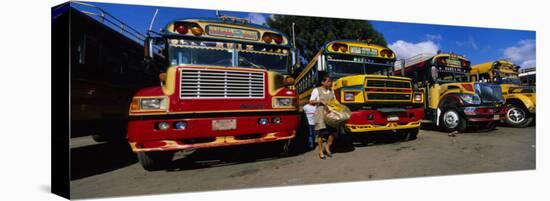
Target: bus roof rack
111,21
225,18
413,60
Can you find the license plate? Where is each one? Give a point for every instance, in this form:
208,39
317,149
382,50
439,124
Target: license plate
224,124
496,117
393,118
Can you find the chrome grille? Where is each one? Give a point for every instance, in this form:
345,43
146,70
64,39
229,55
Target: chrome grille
387,83
209,83
387,96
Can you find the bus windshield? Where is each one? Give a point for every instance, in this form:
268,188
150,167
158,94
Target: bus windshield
508,79
272,61
443,76
222,54
201,56
339,66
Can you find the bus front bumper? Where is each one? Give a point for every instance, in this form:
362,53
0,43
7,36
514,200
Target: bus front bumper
484,113
375,120
144,135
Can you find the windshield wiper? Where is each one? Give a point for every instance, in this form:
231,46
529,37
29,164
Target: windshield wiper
244,60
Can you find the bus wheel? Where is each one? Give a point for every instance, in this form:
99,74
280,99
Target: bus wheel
490,126
517,116
155,160
409,134
451,120
285,147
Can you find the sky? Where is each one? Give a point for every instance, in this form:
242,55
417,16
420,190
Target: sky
479,45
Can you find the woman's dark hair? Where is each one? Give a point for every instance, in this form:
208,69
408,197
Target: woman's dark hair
324,77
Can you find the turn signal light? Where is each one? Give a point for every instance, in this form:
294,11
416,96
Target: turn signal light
185,27
339,47
278,39
386,53
197,30
269,37
180,28
135,104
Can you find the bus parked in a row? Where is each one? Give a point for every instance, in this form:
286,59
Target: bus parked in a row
224,84
454,101
520,100
363,82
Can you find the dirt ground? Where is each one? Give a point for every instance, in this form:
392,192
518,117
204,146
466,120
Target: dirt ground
111,169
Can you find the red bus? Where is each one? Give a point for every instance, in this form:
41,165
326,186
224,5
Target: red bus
224,83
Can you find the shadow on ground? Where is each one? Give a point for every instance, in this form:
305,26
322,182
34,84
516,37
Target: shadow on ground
100,158
224,156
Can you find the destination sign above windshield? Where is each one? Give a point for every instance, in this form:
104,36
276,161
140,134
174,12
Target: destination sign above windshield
364,51
452,70
230,32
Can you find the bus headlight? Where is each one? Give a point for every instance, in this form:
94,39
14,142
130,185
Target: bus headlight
417,98
349,96
152,103
471,99
156,103
283,102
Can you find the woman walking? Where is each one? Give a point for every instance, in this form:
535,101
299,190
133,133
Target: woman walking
321,96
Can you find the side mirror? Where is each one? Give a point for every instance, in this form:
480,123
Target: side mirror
148,48
433,74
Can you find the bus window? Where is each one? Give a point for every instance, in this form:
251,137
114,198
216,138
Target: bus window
200,55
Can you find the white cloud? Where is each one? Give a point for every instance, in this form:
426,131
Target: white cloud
257,18
404,49
469,43
434,37
524,53
529,63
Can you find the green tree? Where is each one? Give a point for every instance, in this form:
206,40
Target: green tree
314,32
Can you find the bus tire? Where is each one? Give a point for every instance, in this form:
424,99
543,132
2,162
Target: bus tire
409,134
490,126
517,116
450,120
285,147
152,161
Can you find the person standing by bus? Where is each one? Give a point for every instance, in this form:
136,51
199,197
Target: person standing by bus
309,110
320,97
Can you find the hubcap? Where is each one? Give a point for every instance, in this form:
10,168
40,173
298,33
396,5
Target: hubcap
451,119
516,115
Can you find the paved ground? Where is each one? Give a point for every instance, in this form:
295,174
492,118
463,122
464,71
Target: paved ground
110,169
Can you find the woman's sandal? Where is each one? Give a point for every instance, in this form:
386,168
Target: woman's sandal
322,157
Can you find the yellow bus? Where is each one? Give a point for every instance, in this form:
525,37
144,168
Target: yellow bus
363,82
521,100
454,101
